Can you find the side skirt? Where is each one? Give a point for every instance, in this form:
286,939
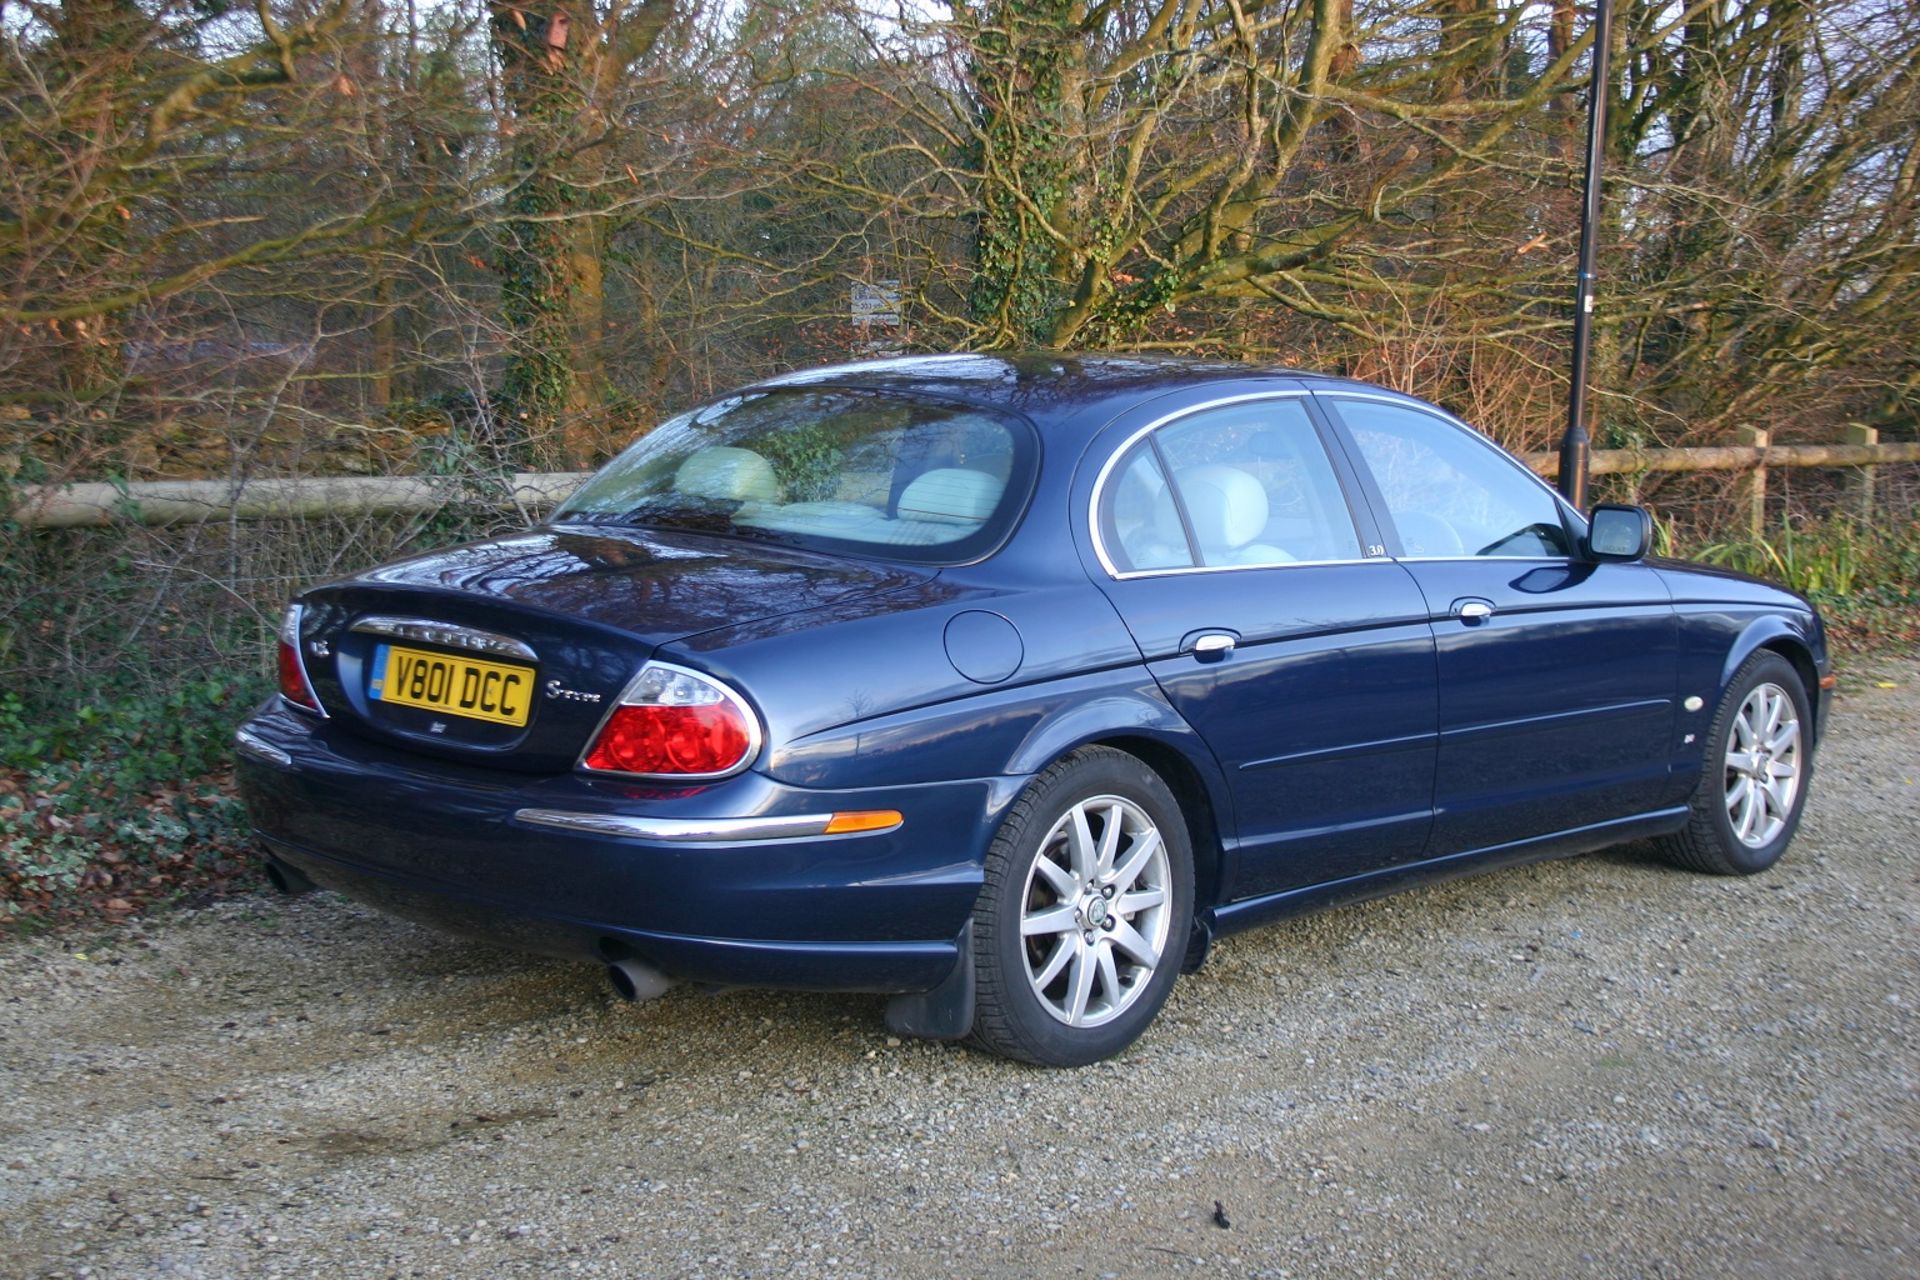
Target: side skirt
1246,914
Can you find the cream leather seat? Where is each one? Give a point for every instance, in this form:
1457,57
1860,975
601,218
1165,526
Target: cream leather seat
1228,511
951,495
739,475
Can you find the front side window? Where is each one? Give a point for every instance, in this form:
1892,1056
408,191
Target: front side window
1448,494
1240,485
835,469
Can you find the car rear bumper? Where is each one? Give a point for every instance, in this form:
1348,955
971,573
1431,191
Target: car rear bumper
465,849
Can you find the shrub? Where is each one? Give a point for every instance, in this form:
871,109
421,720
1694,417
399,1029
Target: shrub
118,802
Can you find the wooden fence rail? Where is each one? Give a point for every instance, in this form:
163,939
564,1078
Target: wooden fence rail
1755,455
70,506
161,502
1733,457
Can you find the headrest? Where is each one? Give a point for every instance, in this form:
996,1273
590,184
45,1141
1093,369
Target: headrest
951,494
1140,488
721,472
1227,506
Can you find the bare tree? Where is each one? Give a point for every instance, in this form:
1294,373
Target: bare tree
565,72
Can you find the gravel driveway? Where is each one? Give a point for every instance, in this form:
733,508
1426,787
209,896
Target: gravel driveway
1591,1067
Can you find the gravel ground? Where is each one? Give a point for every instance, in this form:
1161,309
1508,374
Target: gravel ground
1591,1067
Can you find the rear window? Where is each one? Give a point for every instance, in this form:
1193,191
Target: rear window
840,470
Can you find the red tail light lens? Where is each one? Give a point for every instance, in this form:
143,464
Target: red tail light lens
670,740
675,723
293,672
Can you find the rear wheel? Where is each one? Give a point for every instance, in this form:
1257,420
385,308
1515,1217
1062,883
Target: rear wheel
1753,786
1084,916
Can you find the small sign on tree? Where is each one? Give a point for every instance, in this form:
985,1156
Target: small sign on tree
875,304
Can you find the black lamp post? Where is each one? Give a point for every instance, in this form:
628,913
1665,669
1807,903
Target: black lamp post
1575,444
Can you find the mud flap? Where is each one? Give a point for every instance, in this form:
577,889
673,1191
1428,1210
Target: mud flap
1199,943
944,1013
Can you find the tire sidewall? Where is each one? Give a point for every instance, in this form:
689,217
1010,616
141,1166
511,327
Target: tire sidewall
1762,668
1105,772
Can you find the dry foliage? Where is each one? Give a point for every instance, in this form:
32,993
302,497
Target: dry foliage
325,236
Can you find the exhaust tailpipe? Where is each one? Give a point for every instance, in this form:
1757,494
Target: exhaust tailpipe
634,981
288,880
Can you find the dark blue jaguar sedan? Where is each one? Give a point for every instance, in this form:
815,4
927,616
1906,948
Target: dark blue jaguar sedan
1004,685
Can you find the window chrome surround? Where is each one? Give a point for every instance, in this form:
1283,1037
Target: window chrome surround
756,737
691,830
248,743
1539,560
1126,446
1484,441
290,635
445,634
1129,575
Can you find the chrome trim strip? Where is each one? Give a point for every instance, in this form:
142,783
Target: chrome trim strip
1543,561
1120,451
688,830
756,737
249,743
1177,571
445,634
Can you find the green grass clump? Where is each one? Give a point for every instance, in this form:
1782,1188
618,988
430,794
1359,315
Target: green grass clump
118,802
1865,578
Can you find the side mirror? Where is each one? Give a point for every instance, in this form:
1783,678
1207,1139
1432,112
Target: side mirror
1617,531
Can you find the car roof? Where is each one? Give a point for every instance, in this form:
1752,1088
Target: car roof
1048,387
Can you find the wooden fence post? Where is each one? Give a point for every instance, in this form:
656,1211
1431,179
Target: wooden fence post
1755,485
1860,479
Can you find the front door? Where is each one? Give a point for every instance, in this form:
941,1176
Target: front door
1557,674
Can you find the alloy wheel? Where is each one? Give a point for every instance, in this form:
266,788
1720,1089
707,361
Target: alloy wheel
1763,765
1096,912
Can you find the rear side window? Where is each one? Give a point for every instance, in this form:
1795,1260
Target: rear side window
887,474
1242,485
1450,494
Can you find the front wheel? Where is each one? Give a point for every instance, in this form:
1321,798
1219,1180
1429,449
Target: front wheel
1753,785
1084,916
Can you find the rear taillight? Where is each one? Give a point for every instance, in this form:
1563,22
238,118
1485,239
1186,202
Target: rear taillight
675,723
294,685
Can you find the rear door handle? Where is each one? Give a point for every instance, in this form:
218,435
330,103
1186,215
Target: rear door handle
1473,611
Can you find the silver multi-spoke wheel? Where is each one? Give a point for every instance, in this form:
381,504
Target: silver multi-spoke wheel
1085,912
1096,911
1763,765
1743,813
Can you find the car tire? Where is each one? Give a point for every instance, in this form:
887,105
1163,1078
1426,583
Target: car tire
1084,917
1753,782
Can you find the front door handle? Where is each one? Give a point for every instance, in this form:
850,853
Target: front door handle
1214,644
1473,611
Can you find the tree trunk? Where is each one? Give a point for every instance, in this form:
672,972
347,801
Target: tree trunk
1022,66
99,51
563,65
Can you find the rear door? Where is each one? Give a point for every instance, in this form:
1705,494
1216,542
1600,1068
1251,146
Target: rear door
1556,674
1229,543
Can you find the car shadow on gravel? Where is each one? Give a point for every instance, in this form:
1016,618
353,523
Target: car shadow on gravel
1639,855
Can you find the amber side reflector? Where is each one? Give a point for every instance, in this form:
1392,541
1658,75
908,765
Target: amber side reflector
1827,682
846,824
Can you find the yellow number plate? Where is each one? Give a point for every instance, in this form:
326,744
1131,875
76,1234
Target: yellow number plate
493,691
